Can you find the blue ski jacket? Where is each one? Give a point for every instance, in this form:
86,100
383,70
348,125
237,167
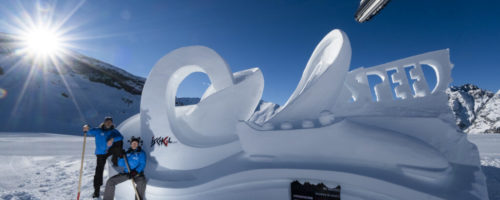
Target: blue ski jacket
136,160
102,136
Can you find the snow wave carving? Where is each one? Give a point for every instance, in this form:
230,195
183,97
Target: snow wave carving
330,130
323,76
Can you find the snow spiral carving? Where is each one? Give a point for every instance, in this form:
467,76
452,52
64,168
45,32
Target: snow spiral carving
194,125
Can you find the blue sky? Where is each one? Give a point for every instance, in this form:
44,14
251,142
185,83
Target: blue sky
279,36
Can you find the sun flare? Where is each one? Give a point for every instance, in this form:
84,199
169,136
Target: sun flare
42,42
42,35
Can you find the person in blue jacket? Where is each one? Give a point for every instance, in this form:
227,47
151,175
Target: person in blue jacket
137,162
108,142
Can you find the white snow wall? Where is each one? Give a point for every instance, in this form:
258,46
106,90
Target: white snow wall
330,130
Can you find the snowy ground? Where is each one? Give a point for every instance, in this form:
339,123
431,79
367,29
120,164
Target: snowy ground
489,148
46,166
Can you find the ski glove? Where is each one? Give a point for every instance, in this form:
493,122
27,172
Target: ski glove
132,174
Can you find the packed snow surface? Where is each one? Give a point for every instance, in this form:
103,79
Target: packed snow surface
46,166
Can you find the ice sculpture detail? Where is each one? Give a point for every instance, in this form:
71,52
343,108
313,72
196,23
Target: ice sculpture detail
399,144
327,66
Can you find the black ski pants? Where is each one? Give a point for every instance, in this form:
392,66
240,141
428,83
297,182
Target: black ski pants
115,150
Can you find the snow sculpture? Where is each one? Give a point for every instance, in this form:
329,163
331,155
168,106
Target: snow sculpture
331,130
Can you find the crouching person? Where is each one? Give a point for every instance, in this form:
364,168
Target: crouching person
136,161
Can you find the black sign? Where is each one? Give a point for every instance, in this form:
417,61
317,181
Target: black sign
313,192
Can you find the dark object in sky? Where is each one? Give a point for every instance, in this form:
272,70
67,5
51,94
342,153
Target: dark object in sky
369,8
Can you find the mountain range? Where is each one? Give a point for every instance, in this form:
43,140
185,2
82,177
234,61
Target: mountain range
476,110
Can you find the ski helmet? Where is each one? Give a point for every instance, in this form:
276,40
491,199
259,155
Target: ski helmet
135,139
108,118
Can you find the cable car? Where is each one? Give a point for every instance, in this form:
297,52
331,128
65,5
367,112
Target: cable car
369,8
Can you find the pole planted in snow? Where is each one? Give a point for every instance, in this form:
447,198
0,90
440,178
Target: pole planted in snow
81,164
132,179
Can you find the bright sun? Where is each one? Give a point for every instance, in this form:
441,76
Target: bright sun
43,33
43,42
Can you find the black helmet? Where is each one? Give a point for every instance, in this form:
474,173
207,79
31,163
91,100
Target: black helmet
135,139
108,118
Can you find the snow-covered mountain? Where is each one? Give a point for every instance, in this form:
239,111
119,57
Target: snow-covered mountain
61,97
476,110
264,111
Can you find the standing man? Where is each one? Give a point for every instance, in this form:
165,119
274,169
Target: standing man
136,161
108,141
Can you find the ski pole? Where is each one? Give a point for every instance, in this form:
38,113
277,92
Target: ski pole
133,182
81,165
